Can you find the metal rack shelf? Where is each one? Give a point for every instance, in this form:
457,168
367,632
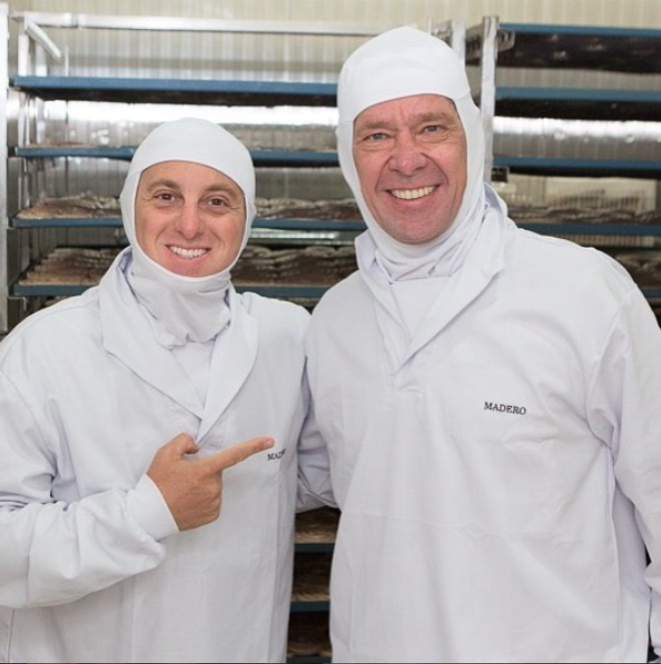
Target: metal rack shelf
308,158
116,222
631,50
176,91
304,292
261,157
67,290
578,103
551,228
569,103
569,166
298,607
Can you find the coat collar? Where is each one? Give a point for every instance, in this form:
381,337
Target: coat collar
128,335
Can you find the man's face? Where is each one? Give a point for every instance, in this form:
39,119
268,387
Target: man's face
411,160
189,218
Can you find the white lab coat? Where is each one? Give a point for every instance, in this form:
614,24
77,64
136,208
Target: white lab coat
92,568
495,471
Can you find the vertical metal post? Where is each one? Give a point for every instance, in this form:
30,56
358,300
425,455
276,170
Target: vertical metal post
458,38
453,32
4,222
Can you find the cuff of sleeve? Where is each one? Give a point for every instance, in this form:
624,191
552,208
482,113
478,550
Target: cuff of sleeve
148,507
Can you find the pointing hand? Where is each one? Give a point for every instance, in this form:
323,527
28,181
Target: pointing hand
192,488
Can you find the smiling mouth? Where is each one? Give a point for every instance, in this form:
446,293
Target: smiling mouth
412,194
188,253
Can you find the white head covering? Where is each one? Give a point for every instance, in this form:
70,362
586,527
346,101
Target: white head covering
182,308
400,63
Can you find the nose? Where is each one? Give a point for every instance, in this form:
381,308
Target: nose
407,157
189,222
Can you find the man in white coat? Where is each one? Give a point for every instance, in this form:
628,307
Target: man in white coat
122,413
490,400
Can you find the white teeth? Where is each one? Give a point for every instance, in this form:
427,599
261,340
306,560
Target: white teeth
411,194
188,253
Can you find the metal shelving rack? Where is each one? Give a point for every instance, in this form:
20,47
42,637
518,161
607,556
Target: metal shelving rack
622,91
36,86
565,48
488,45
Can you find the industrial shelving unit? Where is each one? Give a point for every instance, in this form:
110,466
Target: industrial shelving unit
604,85
568,48
36,85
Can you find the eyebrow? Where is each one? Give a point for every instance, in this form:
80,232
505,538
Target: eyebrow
173,184
422,117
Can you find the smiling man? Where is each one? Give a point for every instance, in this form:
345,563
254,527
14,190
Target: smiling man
141,518
411,156
487,401
190,218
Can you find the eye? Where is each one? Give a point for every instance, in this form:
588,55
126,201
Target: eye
217,201
373,140
164,199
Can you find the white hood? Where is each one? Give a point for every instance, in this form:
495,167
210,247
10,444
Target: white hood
185,308
400,63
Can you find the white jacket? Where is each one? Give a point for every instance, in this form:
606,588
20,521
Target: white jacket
92,568
496,471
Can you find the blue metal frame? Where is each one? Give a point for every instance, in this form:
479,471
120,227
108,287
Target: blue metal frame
261,157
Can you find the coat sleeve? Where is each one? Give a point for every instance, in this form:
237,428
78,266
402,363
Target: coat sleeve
53,552
314,483
625,411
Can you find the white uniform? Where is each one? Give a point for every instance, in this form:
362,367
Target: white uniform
493,429
487,471
92,566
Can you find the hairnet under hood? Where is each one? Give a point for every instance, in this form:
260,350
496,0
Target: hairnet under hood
185,308
400,63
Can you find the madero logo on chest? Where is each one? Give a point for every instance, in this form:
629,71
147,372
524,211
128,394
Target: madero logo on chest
505,408
272,456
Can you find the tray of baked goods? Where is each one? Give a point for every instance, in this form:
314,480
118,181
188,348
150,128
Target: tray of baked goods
311,578
69,211
597,48
316,529
70,270
331,210
284,213
309,640
594,226
643,266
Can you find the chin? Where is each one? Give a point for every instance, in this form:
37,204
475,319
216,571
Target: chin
183,270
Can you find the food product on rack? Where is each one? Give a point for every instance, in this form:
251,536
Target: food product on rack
317,526
643,266
308,635
311,577
75,207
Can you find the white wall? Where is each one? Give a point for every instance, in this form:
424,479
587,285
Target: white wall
630,13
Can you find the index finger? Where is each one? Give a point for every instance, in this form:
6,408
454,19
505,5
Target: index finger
236,454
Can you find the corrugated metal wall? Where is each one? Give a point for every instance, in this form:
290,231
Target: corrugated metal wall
631,13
